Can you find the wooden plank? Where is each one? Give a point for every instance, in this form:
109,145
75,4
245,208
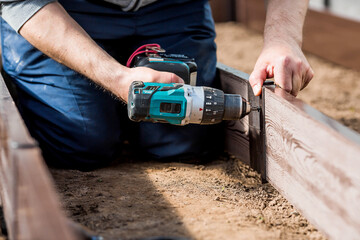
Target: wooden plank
256,137
38,210
251,13
311,159
326,35
223,10
333,38
7,172
8,197
19,135
31,207
314,162
237,132
243,137
241,11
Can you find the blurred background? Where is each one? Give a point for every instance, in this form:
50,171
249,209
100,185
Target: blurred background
331,44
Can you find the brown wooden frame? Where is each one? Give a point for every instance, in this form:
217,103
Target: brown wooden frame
311,159
31,206
223,10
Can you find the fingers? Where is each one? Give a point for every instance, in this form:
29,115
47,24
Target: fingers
296,84
176,79
166,77
257,78
270,71
292,75
308,77
283,74
286,63
149,75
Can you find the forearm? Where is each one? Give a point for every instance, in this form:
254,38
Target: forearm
284,21
56,34
281,57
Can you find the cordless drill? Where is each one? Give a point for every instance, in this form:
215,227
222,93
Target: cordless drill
177,103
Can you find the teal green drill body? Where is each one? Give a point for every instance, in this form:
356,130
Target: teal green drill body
176,96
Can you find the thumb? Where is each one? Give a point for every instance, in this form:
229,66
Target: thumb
257,78
167,77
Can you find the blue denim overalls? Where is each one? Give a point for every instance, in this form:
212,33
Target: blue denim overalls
76,123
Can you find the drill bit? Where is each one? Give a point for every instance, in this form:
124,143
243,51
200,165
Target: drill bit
250,108
256,109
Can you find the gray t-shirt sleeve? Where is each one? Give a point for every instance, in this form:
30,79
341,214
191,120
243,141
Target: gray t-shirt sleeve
17,13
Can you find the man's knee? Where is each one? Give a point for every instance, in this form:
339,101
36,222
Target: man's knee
169,141
82,150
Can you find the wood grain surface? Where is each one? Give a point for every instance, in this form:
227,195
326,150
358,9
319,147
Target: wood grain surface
30,204
311,159
314,162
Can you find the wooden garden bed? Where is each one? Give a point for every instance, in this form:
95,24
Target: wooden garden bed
310,158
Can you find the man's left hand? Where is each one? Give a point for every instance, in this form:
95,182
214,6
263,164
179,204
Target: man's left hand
285,63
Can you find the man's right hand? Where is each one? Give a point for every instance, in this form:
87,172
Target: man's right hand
145,74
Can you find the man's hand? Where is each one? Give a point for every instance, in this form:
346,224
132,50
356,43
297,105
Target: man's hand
70,45
286,64
146,75
281,57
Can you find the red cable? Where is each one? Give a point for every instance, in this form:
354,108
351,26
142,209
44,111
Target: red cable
141,51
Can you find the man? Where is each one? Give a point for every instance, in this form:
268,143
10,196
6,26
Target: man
82,42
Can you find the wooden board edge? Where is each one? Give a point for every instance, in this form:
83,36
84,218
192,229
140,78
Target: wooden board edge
223,10
311,160
236,132
335,131
20,156
243,138
38,210
302,108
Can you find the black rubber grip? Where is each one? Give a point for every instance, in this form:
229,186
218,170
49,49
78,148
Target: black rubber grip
213,106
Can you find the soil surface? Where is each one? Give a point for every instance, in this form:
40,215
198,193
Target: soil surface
219,200
223,199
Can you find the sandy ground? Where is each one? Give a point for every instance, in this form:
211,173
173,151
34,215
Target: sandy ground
219,200
224,199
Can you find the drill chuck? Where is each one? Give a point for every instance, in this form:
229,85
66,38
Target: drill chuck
219,106
235,107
